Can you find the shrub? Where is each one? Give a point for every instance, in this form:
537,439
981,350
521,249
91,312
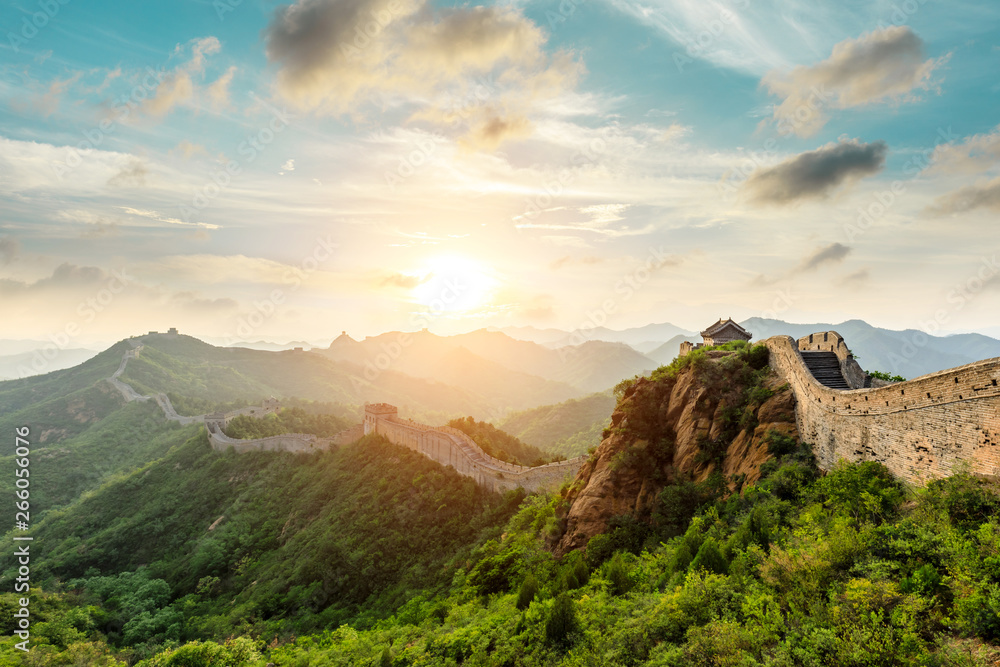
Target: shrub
562,622
866,491
966,500
528,592
616,573
709,557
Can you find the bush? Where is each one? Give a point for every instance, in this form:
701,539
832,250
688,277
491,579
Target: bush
528,592
966,500
616,573
562,622
866,491
709,557
882,375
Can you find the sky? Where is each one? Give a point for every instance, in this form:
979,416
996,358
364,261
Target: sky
246,169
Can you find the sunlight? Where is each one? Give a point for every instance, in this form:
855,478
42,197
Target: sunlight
454,284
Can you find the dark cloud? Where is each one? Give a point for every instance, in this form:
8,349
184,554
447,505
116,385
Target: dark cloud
495,130
10,249
814,174
856,279
333,56
64,275
134,173
985,195
834,253
831,254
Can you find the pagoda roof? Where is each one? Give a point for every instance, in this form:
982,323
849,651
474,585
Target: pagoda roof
722,324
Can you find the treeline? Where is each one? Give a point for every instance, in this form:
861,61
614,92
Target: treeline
502,445
286,420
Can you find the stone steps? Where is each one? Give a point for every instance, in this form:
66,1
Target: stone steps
825,367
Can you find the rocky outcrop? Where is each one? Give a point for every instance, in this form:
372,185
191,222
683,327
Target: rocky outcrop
711,416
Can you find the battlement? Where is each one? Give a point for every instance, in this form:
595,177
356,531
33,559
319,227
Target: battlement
920,429
450,446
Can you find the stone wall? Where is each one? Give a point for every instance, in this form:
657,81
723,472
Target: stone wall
286,442
450,446
920,429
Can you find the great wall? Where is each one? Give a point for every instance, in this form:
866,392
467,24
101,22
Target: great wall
444,444
449,446
921,429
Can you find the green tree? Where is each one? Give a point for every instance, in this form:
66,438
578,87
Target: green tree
528,592
709,557
562,622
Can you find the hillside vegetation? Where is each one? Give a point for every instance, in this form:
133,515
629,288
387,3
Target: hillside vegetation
699,533
286,420
569,429
501,445
266,543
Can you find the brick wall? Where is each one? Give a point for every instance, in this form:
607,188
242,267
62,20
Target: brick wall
920,429
450,446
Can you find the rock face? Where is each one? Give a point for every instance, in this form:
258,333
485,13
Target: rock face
715,415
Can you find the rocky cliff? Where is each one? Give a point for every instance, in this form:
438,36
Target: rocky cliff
708,415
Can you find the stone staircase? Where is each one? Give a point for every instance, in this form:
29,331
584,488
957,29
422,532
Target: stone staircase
825,367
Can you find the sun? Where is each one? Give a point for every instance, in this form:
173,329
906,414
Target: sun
454,284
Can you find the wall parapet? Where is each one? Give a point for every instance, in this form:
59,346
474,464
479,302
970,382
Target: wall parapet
920,429
831,341
451,446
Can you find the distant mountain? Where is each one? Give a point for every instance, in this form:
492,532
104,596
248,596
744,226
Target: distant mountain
41,359
910,353
273,347
667,352
547,337
592,366
647,336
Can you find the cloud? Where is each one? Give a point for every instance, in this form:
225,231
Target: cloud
188,149
178,87
218,92
403,280
886,65
98,230
814,174
191,302
481,68
981,195
10,249
974,154
48,103
289,165
66,275
588,260
831,254
856,279
835,253
493,131
158,217
134,173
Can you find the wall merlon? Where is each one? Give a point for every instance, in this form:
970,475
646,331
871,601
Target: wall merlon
920,428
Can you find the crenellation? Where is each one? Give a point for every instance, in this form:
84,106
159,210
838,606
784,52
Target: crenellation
450,446
920,429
